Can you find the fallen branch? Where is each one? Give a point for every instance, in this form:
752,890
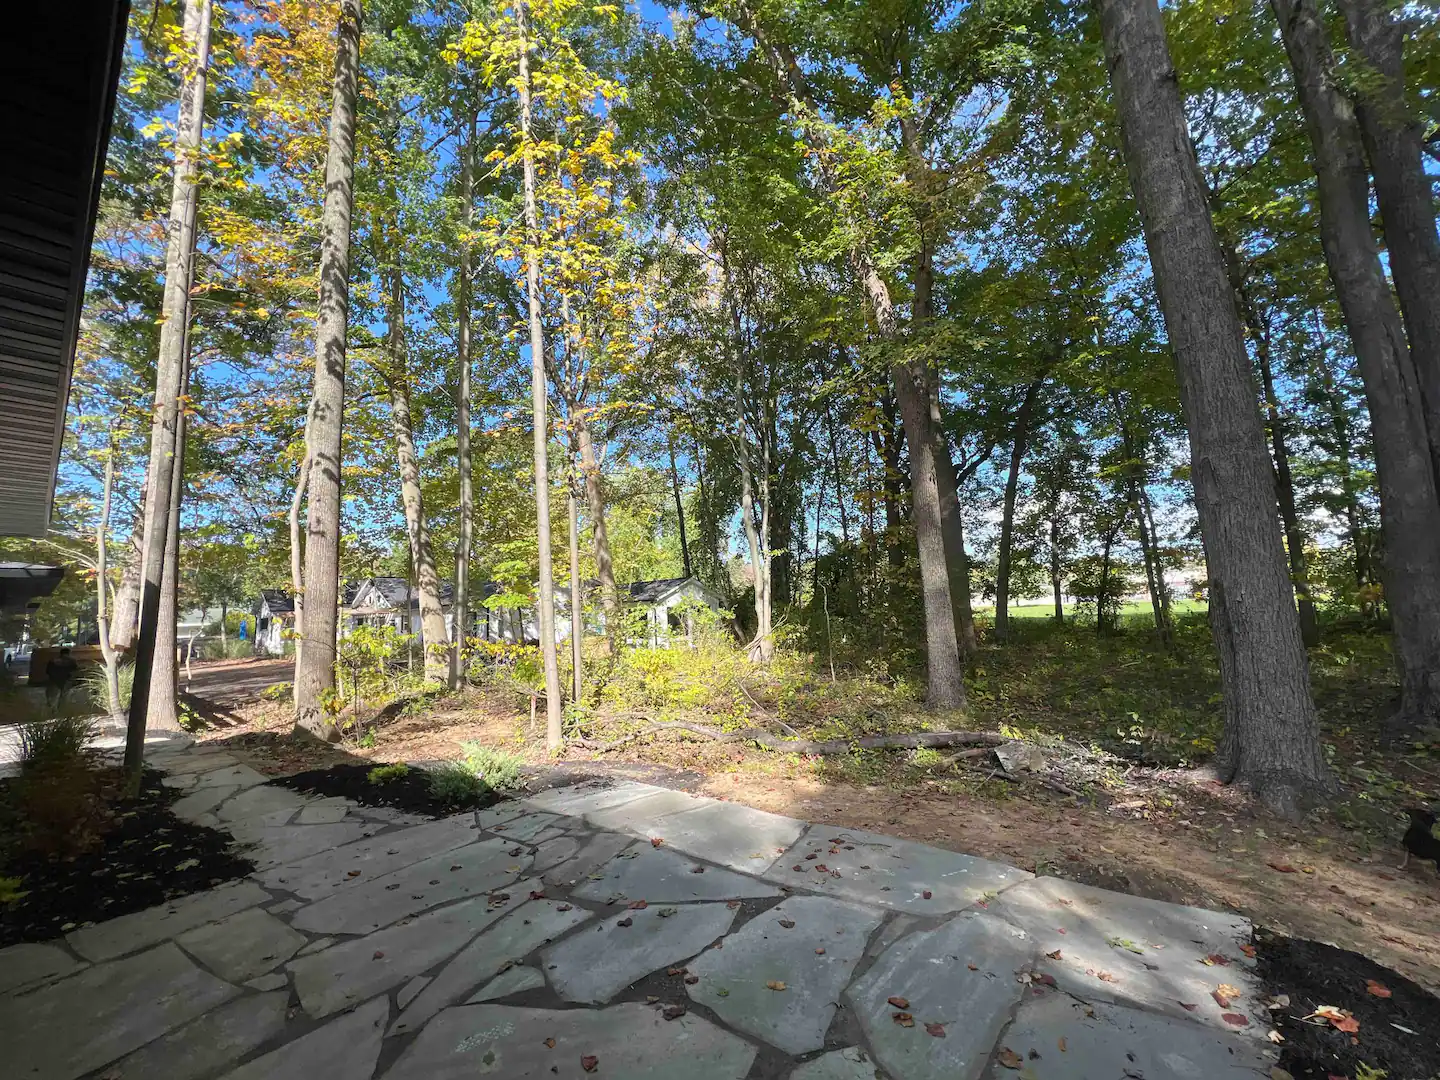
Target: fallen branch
924,739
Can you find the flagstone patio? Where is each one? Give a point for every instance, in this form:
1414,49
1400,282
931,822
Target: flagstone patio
625,931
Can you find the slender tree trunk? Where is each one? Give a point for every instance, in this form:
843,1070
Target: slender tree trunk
1271,742
297,546
124,621
1394,136
1409,511
1019,440
679,507
1135,475
1162,590
1103,596
595,506
422,555
840,499
164,710
1055,566
315,675
169,374
460,608
887,447
761,646
102,586
577,600
1341,436
554,732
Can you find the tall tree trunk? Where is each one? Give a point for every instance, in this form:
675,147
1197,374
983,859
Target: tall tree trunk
1409,512
433,637
887,447
1271,743
840,500
179,270
577,600
1055,564
679,507
595,506
1394,138
1019,440
1102,597
460,608
315,677
1135,478
297,546
124,620
539,399
762,646
102,588
163,713
1341,436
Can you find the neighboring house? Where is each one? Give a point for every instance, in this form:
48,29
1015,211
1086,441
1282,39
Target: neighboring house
274,614
391,601
665,602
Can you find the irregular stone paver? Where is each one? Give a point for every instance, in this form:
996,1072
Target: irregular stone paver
736,836
208,1044
198,804
234,776
514,980
317,945
242,946
498,814
1113,1041
658,874
273,845
598,850
932,971
630,1042
884,870
323,812
274,981
852,1063
256,801
353,971
324,874
642,817
553,852
195,761
31,962
184,780
582,799
764,951
524,828
344,1049
514,937
141,929
1151,950
68,1028
470,871
408,992
594,965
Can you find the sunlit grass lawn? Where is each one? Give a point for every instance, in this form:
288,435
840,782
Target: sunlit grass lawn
1127,610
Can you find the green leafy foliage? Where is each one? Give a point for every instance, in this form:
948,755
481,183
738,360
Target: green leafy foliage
497,769
384,773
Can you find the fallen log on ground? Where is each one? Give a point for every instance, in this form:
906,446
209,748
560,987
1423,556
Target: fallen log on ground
916,741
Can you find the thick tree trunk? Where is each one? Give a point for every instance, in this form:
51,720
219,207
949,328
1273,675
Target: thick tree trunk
762,646
1394,140
460,608
169,374
539,398
102,588
1271,742
297,545
1409,512
595,506
957,562
679,508
315,675
1019,440
163,713
124,619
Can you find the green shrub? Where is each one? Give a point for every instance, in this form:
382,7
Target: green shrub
229,649
98,693
45,744
453,783
280,691
499,769
383,774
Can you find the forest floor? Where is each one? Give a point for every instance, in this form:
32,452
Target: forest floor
1127,725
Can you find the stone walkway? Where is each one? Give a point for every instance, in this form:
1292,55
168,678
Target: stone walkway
621,931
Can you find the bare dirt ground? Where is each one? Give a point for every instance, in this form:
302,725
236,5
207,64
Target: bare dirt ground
1186,840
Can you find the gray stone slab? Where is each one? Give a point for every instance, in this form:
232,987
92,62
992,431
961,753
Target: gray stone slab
895,873
31,962
231,776
498,814
242,946
141,929
1107,1041
524,828
515,980
932,971
196,761
183,780
388,815
730,834
344,1049
643,872
353,971
642,817
734,980
274,981
513,938
204,1046
581,799
257,801
598,850
596,964
409,991
277,845
284,907
474,870
1152,952
317,945
550,853
852,1063
199,804
630,1042
330,872
323,812
68,1028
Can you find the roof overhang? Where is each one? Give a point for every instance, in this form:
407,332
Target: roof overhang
23,585
57,95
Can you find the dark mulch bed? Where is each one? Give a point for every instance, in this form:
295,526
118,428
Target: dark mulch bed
1313,975
409,792
143,855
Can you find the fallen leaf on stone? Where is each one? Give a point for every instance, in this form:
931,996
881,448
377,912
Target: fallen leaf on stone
1188,1007
1054,955
926,894
550,1044
656,841
937,1030
899,1002
1377,989
675,971
722,992
562,907
1105,976
788,924
1283,868
673,1012
1221,999
819,952
1061,1044
1216,959
1235,1019
1229,991
589,1062
1049,980
904,1019
639,905
774,984
864,868
732,904
1248,950
378,955
1275,1036
800,867
353,873
811,857
627,921
536,895
691,980
697,870
972,967
822,868
651,999
666,912
1009,1058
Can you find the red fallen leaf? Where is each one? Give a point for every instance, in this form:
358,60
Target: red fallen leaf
639,905
1060,929
1378,989
926,894
589,1062
691,980
937,1030
1188,1007
972,967
1218,959
550,1044
1049,980
1104,976
675,971
534,895
1281,867
627,921
353,873
788,924
1054,955
1009,1058
899,1002
1347,1024
732,904
1248,950
904,1019
801,867
673,1012
378,955
656,841
697,870
822,868
811,857
1235,1019
1220,999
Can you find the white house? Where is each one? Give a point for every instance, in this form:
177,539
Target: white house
667,603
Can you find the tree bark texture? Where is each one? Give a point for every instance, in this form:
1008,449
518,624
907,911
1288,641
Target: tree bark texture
179,271
1409,511
1271,742
315,677
460,608
297,546
102,588
124,620
577,599
163,713
679,508
595,506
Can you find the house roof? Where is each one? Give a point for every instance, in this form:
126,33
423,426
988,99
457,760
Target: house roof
652,592
278,601
393,591
23,585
